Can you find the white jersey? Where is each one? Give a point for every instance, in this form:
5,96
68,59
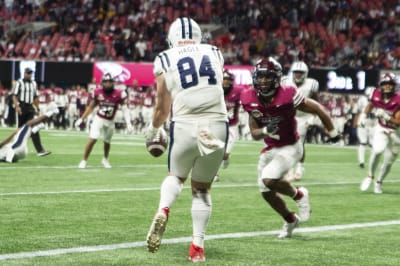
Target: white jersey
193,75
308,88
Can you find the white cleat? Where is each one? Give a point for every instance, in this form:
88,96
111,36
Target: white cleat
365,183
288,228
105,163
378,188
156,231
82,164
303,205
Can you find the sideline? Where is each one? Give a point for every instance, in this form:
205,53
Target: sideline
54,252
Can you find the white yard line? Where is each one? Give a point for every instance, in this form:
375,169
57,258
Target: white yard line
215,186
54,252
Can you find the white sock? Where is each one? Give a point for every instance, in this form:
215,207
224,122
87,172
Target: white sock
300,168
361,153
201,212
373,163
171,187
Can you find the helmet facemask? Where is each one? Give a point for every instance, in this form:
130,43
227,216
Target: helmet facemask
266,84
299,71
266,78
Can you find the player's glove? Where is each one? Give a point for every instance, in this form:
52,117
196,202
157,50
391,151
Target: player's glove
362,120
78,123
382,114
334,136
151,132
270,130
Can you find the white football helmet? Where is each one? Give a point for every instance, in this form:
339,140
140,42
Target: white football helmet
184,31
299,66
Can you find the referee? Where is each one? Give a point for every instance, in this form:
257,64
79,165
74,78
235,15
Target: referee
25,97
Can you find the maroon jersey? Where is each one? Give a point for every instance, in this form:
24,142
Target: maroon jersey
73,96
281,110
391,106
108,103
134,96
232,101
337,109
83,98
45,96
149,99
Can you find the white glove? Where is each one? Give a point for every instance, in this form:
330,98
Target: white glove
271,132
382,114
362,120
78,123
151,132
129,128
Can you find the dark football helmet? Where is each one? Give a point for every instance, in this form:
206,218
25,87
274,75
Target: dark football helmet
228,80
387,84
107,82
267,75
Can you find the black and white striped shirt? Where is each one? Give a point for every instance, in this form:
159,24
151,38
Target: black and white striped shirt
25,90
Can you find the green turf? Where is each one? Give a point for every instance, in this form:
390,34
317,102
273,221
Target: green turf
46,204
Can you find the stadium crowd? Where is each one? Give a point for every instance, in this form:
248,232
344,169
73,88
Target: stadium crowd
361,34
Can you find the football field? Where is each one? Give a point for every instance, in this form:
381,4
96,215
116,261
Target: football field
52,213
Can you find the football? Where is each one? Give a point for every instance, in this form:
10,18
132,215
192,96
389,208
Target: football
157,146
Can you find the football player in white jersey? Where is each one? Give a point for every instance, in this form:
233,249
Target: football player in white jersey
365,125
189,87
15,147
298,77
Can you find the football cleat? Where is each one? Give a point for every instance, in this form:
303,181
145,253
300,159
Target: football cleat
82,164
196,253
157,229
288,228
365,183
378,187
43,153
303,205
105,163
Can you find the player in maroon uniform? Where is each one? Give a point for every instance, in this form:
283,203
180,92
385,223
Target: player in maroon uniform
135,105
107,99
386,138
272,110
